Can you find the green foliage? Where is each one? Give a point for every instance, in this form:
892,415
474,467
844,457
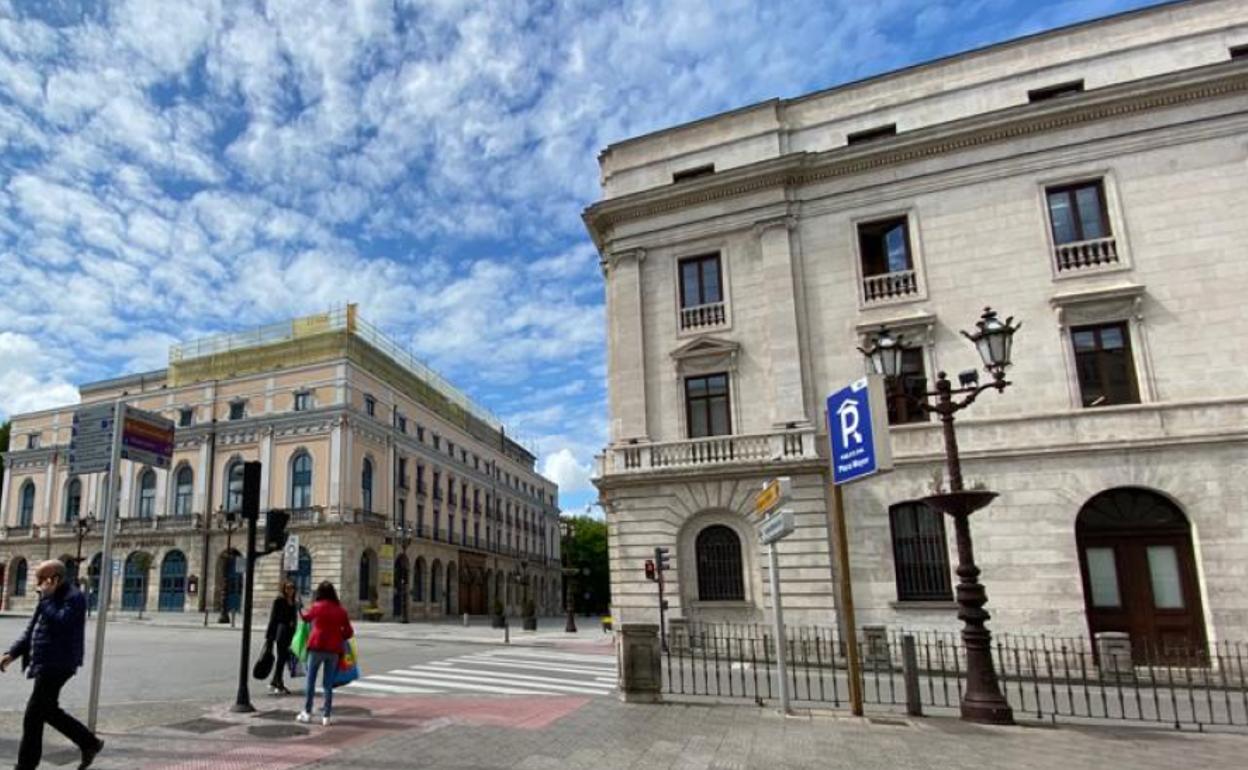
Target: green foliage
587,550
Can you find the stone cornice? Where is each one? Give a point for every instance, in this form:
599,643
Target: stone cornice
802,168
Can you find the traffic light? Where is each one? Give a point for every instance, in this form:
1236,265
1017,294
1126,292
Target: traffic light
661,560
251,490
650,573
275,530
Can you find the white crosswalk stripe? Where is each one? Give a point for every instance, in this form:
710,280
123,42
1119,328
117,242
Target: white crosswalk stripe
507,672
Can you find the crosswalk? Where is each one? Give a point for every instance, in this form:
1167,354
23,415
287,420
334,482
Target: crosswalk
506,672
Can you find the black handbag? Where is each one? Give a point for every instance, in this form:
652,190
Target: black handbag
264,666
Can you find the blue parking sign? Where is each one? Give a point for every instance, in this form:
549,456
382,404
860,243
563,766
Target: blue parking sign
858,430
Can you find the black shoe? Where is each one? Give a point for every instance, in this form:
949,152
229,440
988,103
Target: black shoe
88,755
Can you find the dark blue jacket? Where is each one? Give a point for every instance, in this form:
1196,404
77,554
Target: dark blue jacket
54,638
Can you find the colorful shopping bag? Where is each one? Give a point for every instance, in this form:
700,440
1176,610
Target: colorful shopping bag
299,644
348,664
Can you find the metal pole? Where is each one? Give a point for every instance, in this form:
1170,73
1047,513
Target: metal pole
106,567
778,617
662,615
242,702
849,623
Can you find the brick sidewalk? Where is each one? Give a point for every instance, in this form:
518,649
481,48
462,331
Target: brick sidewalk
574,732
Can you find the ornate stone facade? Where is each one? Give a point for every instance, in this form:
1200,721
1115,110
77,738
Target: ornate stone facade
965,189
352,442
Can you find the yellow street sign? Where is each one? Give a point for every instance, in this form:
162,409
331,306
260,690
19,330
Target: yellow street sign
773,494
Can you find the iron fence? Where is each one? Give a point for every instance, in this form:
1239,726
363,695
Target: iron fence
1043,678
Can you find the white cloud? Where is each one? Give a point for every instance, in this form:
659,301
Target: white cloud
572,477
28,378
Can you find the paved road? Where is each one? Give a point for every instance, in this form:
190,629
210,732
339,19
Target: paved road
497,671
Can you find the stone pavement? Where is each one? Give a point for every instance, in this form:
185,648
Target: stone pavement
576,732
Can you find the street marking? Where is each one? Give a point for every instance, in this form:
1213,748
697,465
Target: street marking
366,685
531,666
464,686
519,679
436,677
587,660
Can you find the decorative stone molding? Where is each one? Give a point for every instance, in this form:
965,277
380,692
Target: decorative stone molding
706,354
614,258
1099,305
236,437
787,221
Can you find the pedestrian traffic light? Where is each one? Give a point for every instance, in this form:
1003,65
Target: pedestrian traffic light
251,491
650,573
275,530
661,560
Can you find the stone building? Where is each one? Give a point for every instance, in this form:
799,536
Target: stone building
358,440
1090,181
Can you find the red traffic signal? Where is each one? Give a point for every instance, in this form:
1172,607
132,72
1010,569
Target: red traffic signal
650,573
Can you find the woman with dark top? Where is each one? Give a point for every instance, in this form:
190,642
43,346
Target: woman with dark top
330,631
283,621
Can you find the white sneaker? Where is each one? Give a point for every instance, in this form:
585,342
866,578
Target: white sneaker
304,717
324,721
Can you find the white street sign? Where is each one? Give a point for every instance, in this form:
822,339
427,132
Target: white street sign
147,438
290,554
91,443
775,527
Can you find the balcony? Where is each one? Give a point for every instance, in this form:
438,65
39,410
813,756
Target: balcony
887,287
788,446
312,515
703,316
135,524
176,522
1084,255
16,532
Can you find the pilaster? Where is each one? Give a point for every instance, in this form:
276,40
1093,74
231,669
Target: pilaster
626,345
787,395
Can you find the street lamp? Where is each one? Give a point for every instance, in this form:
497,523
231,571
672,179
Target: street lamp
231,523
567,529
993,338
405,539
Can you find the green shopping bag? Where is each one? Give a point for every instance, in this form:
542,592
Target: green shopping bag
299,644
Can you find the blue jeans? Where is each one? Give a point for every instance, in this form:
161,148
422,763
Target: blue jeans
329,662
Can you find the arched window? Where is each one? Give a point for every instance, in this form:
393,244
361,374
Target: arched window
26,509
184,484
234,486
19,577
172,596
920,553
301,481
719,565
366,485
73,500
134,581
147,494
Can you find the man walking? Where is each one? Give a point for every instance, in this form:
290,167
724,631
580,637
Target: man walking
51,652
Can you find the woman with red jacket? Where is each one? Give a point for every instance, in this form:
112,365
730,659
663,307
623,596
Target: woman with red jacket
329,633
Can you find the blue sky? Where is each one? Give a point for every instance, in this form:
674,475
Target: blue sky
176,169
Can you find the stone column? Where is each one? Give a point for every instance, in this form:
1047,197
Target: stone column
266,466
640,664
202,501
785,372
4,491
49,494
335,466
625,345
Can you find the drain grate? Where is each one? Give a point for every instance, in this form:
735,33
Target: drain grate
277,731
200,726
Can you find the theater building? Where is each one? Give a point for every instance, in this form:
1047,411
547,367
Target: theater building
1090,181
400,489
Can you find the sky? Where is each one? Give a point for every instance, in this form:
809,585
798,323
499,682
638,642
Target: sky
172,170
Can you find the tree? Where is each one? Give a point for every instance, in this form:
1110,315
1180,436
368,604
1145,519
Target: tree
587,550
4,445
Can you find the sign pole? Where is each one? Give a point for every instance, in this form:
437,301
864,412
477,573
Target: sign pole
106,565
849,624
662,615
778,618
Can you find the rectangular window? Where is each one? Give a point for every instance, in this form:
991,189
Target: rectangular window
1103,577
400,513
420,479
920,553
420,433
402,473
1239,52
420,521
906,391
185,417
1055,92
693,173
401,423
32,441
1077,212
1104,364
885,246
237,410
1163,572
707,406
437,442
700,282
872,134
303,401
370,406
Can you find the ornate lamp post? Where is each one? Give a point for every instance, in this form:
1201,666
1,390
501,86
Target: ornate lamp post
993,338
231,521
405,539
567,528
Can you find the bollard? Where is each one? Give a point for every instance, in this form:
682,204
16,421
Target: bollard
910,674
465,620
506,632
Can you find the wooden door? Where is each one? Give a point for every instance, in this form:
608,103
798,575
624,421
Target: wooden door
1139,578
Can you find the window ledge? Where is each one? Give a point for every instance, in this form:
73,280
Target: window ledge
924,605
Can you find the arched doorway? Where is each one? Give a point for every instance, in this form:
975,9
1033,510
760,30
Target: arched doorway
435,584
367,593
418,581
172,583
1139,573
93,582
230,584
452,589
134,581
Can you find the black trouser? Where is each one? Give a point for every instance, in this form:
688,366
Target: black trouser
44,707
283,660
